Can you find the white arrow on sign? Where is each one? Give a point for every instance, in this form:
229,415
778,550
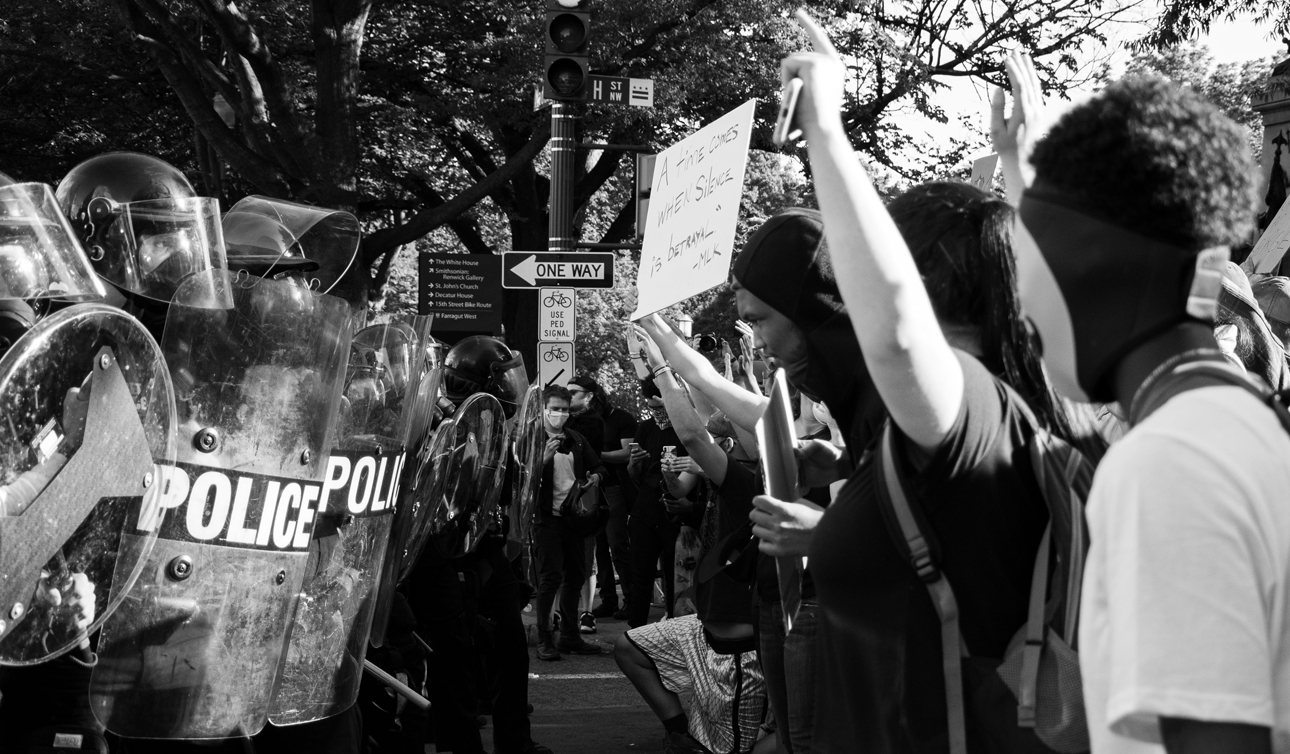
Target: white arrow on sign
530,270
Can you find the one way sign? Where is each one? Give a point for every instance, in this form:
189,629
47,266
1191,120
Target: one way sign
554,269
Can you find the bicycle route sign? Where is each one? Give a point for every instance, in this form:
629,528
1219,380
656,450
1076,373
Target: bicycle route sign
555,363
565,269
556,318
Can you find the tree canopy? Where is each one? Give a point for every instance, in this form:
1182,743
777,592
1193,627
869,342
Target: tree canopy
418,115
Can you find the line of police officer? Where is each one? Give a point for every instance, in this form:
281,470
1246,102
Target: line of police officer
214,493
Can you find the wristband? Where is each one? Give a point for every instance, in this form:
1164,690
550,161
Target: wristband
660,370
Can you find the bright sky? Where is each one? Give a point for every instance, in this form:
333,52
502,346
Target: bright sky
1233,41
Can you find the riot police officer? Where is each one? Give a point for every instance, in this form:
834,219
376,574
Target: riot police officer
481,588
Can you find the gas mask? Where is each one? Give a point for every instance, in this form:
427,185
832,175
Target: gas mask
1094,291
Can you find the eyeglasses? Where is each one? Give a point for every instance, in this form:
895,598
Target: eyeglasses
575,391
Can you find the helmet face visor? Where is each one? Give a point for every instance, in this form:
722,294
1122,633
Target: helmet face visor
150,247
39,254
316,243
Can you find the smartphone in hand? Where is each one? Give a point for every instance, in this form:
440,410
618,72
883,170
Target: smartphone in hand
784,131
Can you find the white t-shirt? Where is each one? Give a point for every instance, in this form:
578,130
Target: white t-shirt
562,479
1186,585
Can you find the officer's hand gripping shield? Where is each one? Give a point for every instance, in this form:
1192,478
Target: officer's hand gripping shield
87,406
195,648
324,661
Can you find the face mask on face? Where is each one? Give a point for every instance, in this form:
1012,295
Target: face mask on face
556,420
660,417
1094,291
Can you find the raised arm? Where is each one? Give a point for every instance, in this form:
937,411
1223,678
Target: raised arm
911,363
690,428
741,406
1014,137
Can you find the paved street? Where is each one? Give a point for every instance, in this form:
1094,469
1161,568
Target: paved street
584,705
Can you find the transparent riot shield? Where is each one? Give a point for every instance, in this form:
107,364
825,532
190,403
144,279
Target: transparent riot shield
195,648
87,407
463,494
412,515
274,236
324,662
529,438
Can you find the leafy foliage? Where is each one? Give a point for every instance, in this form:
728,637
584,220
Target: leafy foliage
1184,20
417,115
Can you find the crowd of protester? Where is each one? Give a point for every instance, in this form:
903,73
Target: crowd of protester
962,363
1042,469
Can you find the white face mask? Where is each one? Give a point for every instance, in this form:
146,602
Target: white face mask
555,420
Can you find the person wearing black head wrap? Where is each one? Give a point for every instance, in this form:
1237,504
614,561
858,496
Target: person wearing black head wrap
784,269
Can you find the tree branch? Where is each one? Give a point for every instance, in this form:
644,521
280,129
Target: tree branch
427,220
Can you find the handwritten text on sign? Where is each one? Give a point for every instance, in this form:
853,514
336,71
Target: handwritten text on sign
1273,244
694,205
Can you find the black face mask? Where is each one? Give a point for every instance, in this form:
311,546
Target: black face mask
1094,291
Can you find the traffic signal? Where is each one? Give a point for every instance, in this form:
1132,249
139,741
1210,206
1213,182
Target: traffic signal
568,28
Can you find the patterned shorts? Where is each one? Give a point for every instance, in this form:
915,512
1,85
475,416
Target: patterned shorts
728,702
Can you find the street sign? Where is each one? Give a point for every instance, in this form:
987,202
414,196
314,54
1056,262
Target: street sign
549,269
621,90
462,291
556,317
555,363
642,93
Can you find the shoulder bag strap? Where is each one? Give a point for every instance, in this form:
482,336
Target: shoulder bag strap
938,587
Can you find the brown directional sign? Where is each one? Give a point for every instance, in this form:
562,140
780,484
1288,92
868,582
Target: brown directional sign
462,291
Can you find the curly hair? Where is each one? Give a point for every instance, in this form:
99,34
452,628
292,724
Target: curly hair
1156,159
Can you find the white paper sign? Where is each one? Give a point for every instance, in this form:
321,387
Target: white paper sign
1272,245
556,314
694,205
983,172
555,363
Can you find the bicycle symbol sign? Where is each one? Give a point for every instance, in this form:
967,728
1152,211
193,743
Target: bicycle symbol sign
557,314
557,299
555,362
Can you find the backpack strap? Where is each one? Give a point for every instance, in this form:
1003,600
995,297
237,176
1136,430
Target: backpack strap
1198,374
1035,625
938,587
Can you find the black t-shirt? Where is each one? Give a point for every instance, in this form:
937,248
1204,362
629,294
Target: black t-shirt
723,598
591,427
879,683
619,426
652,440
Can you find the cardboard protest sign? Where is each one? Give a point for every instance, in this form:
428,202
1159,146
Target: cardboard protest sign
1272,246
694,205
983,172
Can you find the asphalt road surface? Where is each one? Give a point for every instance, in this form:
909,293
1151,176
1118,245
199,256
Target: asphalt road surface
584,705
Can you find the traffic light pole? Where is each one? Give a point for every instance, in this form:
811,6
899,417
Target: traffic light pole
560,223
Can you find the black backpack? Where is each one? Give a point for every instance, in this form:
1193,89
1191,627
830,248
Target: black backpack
1031,700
